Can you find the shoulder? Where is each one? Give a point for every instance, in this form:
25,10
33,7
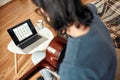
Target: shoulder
92,7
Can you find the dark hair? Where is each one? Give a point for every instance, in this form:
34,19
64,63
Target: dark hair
63,13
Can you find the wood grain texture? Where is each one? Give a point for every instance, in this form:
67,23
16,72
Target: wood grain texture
10,15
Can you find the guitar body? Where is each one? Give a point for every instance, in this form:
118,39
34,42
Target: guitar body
53,57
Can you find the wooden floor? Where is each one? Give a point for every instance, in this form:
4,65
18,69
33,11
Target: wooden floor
10,15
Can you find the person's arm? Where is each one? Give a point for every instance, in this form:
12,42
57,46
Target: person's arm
90,69
78,73
92,65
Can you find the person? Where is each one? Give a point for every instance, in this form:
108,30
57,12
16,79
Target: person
90,53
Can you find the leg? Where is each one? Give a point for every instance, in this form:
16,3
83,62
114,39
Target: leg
46,74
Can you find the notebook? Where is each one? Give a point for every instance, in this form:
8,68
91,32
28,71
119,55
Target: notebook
25,36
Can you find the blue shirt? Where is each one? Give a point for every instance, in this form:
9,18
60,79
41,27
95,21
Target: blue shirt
91,56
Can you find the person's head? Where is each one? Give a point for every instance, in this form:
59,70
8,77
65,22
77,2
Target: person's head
64,13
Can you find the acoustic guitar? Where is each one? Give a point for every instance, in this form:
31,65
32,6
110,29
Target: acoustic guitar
54,56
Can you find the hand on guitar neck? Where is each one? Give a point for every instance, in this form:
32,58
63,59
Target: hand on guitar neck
54,55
